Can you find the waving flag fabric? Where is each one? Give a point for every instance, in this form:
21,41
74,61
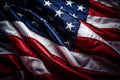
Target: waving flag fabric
60,40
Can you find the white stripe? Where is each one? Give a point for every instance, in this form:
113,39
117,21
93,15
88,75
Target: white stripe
103,22
110,3
34,65
8,28
86,32
6,48
95,63
79,60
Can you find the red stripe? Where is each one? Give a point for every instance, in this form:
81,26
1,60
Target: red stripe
98,9
21,46
9,63
96,47
11,60
110,34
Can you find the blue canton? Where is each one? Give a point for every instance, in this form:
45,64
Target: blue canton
57,20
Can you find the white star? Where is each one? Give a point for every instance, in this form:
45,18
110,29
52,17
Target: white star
69,3
6,6
81,7
69,25
73,15
47,3
68,43
58,13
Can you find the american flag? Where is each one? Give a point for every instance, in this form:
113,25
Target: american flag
60,40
